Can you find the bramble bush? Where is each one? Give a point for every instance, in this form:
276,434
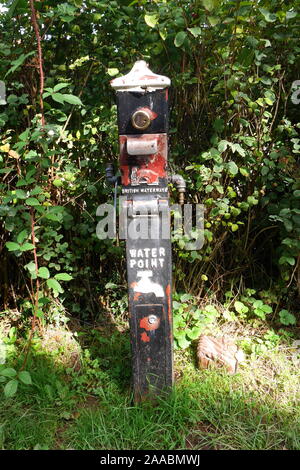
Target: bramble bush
234,135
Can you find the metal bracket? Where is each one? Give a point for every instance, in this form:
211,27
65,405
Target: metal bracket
141,147
146,208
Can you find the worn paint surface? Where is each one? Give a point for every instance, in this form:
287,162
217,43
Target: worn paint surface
143,165
144,323
144,169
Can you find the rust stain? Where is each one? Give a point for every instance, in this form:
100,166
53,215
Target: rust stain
137,295
148,77
149,326
144,337
152,114
168,292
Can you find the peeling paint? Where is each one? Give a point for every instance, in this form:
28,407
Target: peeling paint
146,169
144,337
144,323
168,292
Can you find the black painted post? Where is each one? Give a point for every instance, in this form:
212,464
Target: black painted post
142,100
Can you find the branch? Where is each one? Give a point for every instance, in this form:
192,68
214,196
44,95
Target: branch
40,57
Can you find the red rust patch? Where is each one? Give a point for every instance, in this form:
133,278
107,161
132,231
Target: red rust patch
148,169
168,292
149,326
152,114
145,337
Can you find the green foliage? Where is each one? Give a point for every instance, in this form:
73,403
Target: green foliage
13,379
189,320
234,135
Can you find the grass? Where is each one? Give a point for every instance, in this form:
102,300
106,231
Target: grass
91,407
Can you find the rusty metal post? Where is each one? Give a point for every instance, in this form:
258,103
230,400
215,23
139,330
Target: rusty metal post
142,102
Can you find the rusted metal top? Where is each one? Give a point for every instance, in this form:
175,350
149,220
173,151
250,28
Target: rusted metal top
140,78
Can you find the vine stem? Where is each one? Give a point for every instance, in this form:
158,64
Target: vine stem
40,58
36,296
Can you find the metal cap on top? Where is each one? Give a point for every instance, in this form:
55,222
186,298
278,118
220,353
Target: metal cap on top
140,79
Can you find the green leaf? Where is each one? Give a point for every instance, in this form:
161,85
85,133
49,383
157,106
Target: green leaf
26,247
11,388
112,72
232,168
194,333
32,201
21,194
252,201
63,277
163,34
267,309
44,273
58,97
237,148
182,342
195,31
22,236
186,297
59,86
240,307
54,285
291,14
18,62
31,268
25,377
269,17
210,5
12,246
287,318
151,20
57,183
72,99
213,20
179,38
222,146
287,260
8,372
12,8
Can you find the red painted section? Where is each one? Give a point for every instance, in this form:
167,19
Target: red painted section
145,169
148,77
145,338
133,284
168,292
148,326
149,111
